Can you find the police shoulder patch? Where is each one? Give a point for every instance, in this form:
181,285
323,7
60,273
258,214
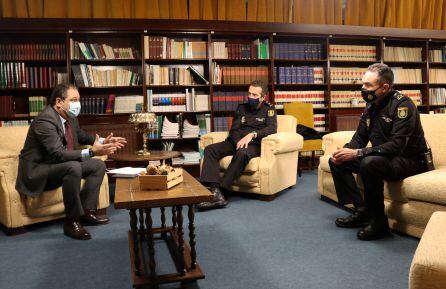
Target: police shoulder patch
271,112
403,112
267,103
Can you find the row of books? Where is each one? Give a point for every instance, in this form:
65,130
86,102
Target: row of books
158,47
346,99
438,110
298,74
103,76
5,123
352,52
175,75
320,122
36,104
301,51
128,104
394,53
222,123
257,49
437,96
96,105
347,75
239,74
32,51
437,75
187,101
414,94
228,100
88,51
407,75
437,55
17,75
317,98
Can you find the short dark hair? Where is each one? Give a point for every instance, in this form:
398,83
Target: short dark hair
60,91
384,72
261,84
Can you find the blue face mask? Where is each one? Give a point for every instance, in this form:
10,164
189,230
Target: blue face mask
253,102
75,109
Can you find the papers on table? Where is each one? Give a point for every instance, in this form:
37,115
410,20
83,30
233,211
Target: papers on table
127,172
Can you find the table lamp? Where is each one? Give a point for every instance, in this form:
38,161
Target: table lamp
143,122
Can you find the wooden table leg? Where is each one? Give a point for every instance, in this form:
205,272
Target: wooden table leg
141,224
182,267
193,253
134,228
150,243
163,221
174,217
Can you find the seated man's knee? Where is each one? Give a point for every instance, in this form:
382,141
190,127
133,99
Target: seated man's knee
99,165
370,163
242,152
74,169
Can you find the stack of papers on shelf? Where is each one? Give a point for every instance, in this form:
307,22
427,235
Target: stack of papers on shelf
190,130
191,157
127,172
177,161
170,129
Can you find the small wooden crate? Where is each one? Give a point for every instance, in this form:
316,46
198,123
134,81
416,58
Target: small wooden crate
161,182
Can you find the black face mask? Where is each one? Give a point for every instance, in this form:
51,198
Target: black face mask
253,102
369,95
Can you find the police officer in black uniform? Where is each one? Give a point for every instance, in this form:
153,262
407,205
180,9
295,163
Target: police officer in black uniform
391,123
253,121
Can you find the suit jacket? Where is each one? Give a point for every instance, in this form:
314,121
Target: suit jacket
46,145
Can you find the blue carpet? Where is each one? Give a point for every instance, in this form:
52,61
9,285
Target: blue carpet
290,242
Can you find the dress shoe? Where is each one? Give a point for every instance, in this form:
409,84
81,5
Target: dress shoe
74,229
377,229
90,218
218,201
359,219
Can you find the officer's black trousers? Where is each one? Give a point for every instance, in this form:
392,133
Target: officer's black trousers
373,171
213,153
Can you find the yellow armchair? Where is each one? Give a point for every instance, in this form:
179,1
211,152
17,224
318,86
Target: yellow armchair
275,169
16,210
303,112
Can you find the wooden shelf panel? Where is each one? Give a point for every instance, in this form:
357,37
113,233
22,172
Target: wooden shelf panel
175,60
108,62
178,86
242,61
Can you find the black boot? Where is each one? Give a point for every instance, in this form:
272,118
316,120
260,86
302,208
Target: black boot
218,201
359,219
378,228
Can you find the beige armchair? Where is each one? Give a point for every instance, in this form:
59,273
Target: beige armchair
16,210
276,167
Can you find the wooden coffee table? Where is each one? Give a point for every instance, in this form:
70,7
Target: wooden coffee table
140,204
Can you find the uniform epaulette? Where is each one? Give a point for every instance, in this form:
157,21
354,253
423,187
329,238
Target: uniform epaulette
267,103
399,96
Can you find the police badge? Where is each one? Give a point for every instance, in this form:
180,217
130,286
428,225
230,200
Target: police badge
270,113
403,112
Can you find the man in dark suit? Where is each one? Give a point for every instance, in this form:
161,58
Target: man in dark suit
253,121
50,158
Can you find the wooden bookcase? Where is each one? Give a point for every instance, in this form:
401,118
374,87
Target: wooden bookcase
131,33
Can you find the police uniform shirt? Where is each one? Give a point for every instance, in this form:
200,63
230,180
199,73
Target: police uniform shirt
393,128
246,120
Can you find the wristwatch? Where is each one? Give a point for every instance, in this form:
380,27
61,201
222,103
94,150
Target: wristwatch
360,153
254,133
90,153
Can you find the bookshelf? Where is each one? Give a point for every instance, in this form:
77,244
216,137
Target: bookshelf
283,54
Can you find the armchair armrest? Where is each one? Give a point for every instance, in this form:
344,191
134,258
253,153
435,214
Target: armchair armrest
331,141
283,142
213,137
